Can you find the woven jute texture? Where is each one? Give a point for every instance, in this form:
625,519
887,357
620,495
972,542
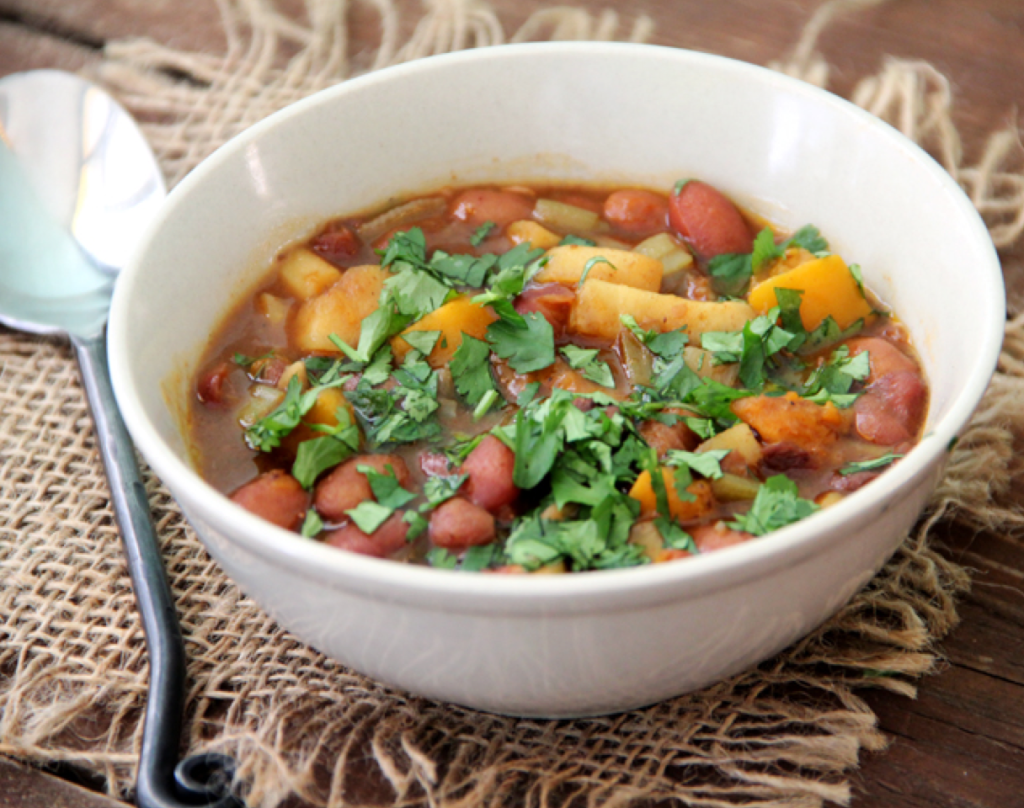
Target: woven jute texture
73,667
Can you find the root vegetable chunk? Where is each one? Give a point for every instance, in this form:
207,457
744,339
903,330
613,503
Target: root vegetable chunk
829,288
567,264
791,419
340,310
599,307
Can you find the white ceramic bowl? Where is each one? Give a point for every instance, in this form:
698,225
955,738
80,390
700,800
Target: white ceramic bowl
598,642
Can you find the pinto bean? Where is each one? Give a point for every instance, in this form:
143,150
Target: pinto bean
706,218
210,387
345,487
481,205
636,211
385,540
709,538
852,482
277,497
552,301
458,524
490,466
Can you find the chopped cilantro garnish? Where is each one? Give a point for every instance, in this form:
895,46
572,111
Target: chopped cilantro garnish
478,558
369,515
578,240
674,537
833,380
597,259
679,185
440,558
471,370
266,434
870,465
316,455
527,347
422,341
442,487
707,464
311,525
482,232
386,489
585,360
777,504
730,273
246,362
485,404
667,345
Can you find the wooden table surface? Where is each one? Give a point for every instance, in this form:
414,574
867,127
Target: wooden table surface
961,743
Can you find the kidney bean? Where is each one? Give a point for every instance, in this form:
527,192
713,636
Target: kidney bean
891,409
458,524
345,487
385,540
706,218
277,497
883,356
490,466
636,211
709,538
337,244
210,387
552,301
480,205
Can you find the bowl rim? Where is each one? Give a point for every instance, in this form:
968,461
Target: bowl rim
445,590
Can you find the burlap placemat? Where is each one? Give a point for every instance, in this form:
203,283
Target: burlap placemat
73,668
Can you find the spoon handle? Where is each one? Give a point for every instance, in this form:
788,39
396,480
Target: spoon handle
156,787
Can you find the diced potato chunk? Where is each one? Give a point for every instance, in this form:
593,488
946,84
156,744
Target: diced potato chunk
599,306
702,503
739,438
274,308
304,274
567,263
294,370
829,290
537,235
453,319
340,310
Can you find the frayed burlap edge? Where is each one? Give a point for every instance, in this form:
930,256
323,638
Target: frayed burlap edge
72,660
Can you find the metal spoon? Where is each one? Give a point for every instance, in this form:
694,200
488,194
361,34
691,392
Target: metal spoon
78,185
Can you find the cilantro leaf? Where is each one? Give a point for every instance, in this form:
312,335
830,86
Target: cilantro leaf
527,348
707,464
312,524
585,360
422,341
482,232
386,489
776,505
731,273
667,345
833,380
810,238
765,250
578,240
316,455
597,259
267,433
870,465
674,537
471,369
442,487
369,515
478,558
441,559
